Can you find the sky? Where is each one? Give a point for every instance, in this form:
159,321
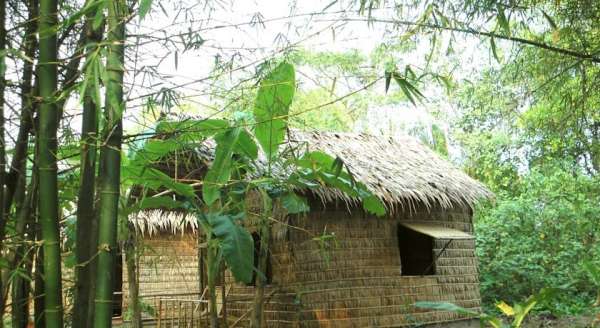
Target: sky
251,31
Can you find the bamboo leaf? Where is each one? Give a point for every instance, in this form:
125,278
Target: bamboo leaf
91,6
145,6
272,107
550,20
98,17
155,179
329,5
502,20
494,51
388,79
409,90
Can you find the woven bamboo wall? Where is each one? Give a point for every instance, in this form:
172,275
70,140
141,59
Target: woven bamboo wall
358,282
169,265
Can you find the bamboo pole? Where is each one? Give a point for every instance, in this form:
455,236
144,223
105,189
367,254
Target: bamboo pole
3,218
87,224
48,199
110,158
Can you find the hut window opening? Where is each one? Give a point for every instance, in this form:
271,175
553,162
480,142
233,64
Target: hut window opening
255,275
416,252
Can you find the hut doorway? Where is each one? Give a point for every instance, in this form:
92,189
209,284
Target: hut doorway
268,274
416,252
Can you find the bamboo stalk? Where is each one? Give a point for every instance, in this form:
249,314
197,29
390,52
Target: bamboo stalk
47,141
87,224
110,158
23,258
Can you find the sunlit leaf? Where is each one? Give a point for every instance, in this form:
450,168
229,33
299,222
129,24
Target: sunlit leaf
272,107
506,309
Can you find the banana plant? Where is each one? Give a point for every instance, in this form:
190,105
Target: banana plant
235,172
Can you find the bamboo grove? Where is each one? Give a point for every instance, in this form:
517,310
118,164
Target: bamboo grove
31,209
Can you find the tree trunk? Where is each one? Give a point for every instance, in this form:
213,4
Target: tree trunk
261,279
29,45
85,248
23,258
130,248
3,218
47,141
16,177
110,167
212,268
38,293
256,320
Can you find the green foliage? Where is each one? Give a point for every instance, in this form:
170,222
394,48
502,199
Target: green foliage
294,204
145,6
272,107
236,245
220,171
308,112
517,312
541,237
321,167
230,179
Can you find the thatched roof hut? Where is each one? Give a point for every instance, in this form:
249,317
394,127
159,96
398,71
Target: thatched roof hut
376,268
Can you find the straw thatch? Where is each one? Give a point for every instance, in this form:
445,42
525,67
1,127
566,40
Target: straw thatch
154,221
401,171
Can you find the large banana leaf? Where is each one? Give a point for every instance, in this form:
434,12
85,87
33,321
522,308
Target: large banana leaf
272,107
220,170
236,245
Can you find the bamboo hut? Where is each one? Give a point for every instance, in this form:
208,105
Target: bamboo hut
374,269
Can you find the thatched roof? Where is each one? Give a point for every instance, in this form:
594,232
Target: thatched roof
401,171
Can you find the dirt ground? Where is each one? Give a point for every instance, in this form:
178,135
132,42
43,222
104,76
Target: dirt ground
566,322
